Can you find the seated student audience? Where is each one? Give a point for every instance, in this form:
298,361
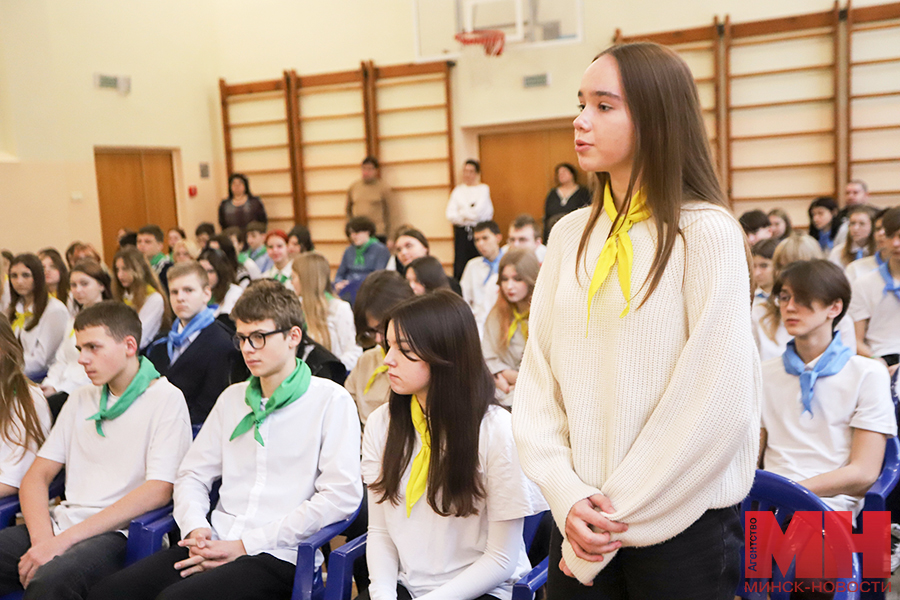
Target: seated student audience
823,222
136,285
239,240
469,204
479,280
197,356
150,243
506,328
90,284
780,224
756,226
203,232
870,263
566,197
38,320
276,247
329,319
173,236
875,308
860,241
762,253
409,244
364,255
440,458
769,332
120,440
826,412
225,292
185,251
368,383
856,193
56,274
427,274
240,207
524,233
289,465
299,241
241,274
256,246
24,414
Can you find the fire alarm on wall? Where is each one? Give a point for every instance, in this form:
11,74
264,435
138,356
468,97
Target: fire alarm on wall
192,191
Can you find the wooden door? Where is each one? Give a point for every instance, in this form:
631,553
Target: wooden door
135,187
518,167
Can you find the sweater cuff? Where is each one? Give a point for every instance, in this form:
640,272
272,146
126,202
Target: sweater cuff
584,570
563,493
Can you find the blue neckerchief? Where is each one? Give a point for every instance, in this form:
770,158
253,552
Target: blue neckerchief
201,321
254,254
825,239
492,265
878,260
831,362
889,285
859,253
762,295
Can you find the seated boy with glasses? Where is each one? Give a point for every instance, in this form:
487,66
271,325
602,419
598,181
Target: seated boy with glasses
285,445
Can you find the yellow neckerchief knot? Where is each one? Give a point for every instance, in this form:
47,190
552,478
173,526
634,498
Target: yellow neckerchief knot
129,299
519,320
418,476
618,248
19,321
378,371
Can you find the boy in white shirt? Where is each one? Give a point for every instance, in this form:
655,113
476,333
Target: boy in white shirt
479,278
286,446
826,412
875,308
120,441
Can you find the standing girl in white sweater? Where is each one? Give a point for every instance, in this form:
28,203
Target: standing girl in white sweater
447,497
638,396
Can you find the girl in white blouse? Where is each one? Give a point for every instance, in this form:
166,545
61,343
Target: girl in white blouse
225,292
135,284
447,498
37,319
24,414
330,319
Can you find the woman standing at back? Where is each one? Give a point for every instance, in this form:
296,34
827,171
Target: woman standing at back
638,395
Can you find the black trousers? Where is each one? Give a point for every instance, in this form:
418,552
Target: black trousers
403,594
463,249
700,563
261,577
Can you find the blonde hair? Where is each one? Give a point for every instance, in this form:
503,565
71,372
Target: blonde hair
314,273
797,246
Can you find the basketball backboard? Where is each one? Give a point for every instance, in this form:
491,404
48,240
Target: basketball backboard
524,22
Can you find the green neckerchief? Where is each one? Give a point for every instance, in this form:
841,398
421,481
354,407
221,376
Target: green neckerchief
157,259
329,296
243,256
360,259
254,254
290,389
146,374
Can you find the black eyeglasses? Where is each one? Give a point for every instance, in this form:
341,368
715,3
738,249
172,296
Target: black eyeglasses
257,339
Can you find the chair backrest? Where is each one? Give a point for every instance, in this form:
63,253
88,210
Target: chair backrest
529,530
771,492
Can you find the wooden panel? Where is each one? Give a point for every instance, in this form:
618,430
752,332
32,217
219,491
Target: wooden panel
120,189
159,189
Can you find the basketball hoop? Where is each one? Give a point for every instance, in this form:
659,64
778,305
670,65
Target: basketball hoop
492,40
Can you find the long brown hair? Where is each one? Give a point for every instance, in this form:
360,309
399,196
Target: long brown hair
441,331
97,272
39,294
143,276
314,273
672,157
62,288
527,266
797,246
15,395
847,255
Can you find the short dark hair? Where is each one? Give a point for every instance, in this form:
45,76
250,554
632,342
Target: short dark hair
526,220
255,226
765,248
379,293
207,228
891,221
495,229
267,299
119,320
753,220
179,230
243,179
129,239
304,238
190,267
413,233
568,167
815,280
357,224
474,163
371,160
154,230
430,273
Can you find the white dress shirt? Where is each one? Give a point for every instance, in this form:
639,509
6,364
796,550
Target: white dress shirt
882,311
41,343
342,331
479,288
470,205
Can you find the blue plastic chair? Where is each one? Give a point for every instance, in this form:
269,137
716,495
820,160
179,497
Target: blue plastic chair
876,500
308,582
340,562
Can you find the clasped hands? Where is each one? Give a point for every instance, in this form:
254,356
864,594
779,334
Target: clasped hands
591,544
205,553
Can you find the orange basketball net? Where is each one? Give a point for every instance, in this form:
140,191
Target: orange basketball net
491,39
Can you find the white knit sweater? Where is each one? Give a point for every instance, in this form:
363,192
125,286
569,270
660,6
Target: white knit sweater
658,410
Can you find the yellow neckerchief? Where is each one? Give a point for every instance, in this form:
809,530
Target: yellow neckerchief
19,321
519,320
130,302
418,476
618,246
52,295
378,371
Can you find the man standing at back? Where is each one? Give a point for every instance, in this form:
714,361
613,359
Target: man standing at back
855,194
371,197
